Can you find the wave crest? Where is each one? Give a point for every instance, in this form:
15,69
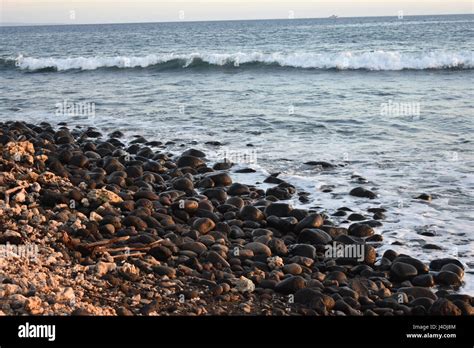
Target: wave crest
375,60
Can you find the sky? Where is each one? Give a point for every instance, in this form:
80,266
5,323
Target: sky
125,11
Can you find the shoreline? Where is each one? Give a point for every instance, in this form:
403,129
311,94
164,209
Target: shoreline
127,230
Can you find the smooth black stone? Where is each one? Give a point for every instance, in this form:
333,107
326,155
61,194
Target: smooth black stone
362,192
314,236
278,209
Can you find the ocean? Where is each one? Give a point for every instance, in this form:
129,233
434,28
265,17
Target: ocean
387,101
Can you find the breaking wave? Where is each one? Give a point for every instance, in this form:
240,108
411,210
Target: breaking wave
375,60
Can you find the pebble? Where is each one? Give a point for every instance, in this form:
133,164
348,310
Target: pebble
196,247
420,266
66,295
170,272
314,236
244,285
34,305
360,230
417,291
259,249
425,197
237,189
310,221
160,252
311,297
183,184
436,265
275,262
102,268
443,306
251,213
278,209
448,278
425,280
290,285
362,192
452,267
305,250
278,247
204,225
220,178
217,259
189,161
402,271
293,268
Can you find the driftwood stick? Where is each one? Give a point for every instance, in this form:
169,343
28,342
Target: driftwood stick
125,248
126,256
12,190
106,242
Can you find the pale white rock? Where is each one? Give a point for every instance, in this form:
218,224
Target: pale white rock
129,269
20,197
103,195
244,285
95,217
77,224
33,305
50,260
102,268
85,202
66,295
275,262
27,229
10,234
35,187
10,289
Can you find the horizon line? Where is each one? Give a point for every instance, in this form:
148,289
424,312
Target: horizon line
14,24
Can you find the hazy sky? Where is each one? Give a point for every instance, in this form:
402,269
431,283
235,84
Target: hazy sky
113,11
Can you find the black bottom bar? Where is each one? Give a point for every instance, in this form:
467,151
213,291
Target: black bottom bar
192,331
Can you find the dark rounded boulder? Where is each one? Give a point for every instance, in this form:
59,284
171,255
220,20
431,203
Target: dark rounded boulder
420,266
312,297
204,225
362,192
418,291
425,280
189,161
237,189
216,193
249,212
436,265
278,247
278,209
310,221
360,230
135,221
290,285
314,236
305,250
161,253
448,278
220,178
444,307
183,184
401,271
194,153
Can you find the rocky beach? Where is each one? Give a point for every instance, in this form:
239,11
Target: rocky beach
100,224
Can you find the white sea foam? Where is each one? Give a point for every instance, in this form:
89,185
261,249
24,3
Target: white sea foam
375,60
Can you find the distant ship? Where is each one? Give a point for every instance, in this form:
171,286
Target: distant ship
333,16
